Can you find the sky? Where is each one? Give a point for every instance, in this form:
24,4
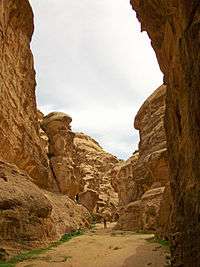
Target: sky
93,63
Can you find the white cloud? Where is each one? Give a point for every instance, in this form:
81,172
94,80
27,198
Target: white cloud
93,62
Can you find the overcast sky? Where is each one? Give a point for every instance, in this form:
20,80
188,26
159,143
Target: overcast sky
93,63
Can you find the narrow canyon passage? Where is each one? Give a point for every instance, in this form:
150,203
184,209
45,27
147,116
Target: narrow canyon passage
55,180
104,248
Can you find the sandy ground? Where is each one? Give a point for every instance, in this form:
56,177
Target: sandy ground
103,248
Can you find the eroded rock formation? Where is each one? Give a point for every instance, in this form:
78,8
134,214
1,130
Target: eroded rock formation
61,151
152,146
89,199
19,139
31,217
141,179
174,29
95,167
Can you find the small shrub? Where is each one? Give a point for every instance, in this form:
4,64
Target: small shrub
162,242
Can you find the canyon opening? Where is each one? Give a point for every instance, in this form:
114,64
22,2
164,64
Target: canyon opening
58,185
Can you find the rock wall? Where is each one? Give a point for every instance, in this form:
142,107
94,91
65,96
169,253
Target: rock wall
152,146
31,217
174,29
124,181
95,170
19,138
61,152
141,179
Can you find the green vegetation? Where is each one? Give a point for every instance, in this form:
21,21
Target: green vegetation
162,242
3,264
33,254
165,244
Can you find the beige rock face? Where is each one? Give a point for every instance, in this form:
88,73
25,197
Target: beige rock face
130,217
31,217
43,136
19,139
124,182
143,175
152,147
144,214
173,27
150,209
61,151
25,211
67,215
89,199
95,170
165,220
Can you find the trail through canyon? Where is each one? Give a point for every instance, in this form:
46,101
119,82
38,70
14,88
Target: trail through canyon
104,248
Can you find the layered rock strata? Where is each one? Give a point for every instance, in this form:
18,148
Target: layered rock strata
61,151
174,29
19,139
141,179
95,167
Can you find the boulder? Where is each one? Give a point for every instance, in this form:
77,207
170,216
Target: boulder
89,199
32,217
130,217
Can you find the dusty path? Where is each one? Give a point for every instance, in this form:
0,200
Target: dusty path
103,248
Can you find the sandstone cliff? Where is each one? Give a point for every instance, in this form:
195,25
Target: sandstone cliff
95,167
174,28
141,179
19,138
29,215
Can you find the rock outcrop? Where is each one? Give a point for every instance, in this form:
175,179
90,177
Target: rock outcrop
141,179
165,213
150,209
31,217
95,167
130,217
61,151
152,146
124,182
88,199
174,28
19,139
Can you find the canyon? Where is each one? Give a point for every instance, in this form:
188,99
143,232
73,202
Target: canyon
54,181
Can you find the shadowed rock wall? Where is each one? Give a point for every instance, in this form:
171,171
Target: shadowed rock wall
174,29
